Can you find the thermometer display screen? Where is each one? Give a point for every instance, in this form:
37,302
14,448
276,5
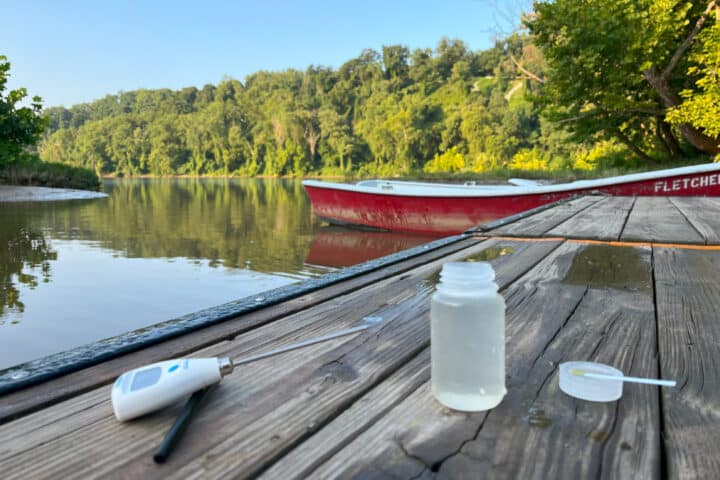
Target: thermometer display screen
145,378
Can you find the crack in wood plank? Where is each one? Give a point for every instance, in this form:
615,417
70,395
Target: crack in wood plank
627,218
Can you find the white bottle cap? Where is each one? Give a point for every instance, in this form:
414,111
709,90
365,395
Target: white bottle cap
467,276
468,271
577,385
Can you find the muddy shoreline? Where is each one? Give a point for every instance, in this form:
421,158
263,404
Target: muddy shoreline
16,193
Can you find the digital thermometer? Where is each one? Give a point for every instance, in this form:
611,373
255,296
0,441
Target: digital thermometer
152,387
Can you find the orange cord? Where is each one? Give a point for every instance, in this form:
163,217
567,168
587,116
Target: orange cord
614,243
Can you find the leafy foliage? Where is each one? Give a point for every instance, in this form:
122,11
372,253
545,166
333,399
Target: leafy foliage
614,68
29,170
450,161
378,114
20,127
701,107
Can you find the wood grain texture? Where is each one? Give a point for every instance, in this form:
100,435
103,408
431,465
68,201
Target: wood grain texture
492,225
656,219
47,393
411,441
703,213
688,295
557,312
264,410
306,457
408,333
603,221
539,224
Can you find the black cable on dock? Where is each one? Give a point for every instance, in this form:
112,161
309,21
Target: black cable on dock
179,426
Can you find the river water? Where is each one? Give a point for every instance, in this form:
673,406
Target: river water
74,272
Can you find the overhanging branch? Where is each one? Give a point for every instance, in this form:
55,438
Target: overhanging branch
600,112
525,71
688,41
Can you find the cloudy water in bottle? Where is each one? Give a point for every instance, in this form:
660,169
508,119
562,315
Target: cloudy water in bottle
468,338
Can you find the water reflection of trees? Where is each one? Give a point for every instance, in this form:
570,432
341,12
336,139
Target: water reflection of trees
226,221
25,257
263,224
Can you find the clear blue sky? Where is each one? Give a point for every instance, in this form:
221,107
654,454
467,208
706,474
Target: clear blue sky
76,51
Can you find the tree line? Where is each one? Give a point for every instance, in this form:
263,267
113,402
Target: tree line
587,85
380,113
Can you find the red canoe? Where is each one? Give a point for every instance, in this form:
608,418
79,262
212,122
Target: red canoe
433,208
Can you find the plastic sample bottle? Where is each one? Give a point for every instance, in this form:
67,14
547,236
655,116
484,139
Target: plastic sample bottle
467,317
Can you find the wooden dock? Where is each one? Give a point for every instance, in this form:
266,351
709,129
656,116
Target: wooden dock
631,282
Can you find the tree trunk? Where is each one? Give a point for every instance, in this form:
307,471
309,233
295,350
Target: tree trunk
699,140
670,98
666,136
253,155
311,137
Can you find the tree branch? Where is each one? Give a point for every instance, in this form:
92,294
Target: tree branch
527,72
597,112
688,41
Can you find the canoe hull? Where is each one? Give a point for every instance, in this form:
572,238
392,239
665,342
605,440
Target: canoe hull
454,213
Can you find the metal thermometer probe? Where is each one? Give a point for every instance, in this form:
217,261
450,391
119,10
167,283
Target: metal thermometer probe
149,388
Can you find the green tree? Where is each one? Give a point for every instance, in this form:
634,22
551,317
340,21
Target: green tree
337,140
20,127
701,106
615,67
375,115
167,152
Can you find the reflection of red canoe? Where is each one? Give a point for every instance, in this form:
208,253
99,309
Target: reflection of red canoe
339,247
443,208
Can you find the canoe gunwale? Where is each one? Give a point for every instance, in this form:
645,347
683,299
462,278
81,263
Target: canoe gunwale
431,190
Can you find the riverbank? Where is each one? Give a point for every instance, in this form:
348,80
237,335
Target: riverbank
29,170
16,193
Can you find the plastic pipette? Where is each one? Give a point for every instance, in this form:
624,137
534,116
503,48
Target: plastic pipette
597,382
149,388
602,376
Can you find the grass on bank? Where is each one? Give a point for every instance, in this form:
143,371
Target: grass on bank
31,171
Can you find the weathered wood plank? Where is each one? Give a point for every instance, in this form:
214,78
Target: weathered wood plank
613,324
412,441
559,311
492,225
656,219
688,295
365,412
539,224
408,332
603,221
47,393
268,407
703,213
